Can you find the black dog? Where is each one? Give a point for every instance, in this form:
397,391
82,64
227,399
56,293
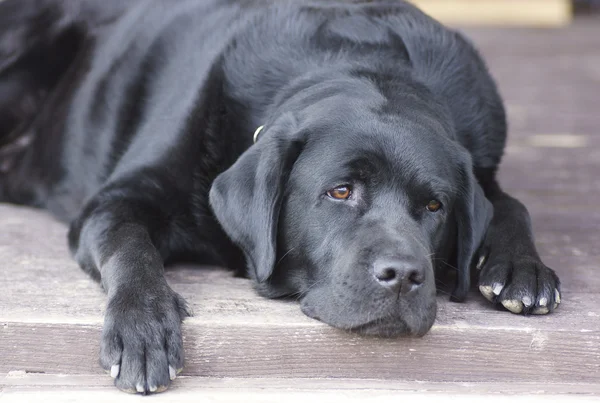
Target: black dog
379,135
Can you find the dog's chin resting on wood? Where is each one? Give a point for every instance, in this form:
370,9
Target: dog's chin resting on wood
373,166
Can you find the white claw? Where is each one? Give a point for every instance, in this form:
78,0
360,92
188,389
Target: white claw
541,310
486,291
114,370
153,388
556,296
513,305
139,387
172,373
527,301
498,288
480,262
543,301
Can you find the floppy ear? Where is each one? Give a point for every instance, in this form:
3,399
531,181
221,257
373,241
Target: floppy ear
473,214
246,198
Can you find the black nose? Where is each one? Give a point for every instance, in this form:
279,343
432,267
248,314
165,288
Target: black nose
398,275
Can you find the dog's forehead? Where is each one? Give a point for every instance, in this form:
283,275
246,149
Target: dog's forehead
406,147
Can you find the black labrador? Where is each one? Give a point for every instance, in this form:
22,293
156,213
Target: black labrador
343,152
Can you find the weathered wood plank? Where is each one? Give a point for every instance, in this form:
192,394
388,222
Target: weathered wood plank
266,395
447,353
22,380
526,44
30,387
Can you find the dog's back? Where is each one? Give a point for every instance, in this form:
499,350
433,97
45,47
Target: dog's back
144,81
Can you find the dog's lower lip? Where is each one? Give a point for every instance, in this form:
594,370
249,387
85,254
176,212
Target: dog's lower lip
310,312
371,327
381,327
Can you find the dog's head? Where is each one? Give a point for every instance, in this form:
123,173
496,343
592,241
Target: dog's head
347,205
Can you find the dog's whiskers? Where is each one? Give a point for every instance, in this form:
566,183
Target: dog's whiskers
283,257
302,293
448,264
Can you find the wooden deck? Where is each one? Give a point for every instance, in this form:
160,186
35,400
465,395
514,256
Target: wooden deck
243,348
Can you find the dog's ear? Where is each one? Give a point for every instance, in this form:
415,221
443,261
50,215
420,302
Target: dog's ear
246,198
473,215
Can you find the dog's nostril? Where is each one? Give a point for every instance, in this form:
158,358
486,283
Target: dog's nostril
416,277
387,274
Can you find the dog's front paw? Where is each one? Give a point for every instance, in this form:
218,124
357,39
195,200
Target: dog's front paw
521,284
141,343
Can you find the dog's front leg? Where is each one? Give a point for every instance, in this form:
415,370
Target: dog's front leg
117,239
511,272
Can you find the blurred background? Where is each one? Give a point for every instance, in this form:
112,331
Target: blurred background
508,12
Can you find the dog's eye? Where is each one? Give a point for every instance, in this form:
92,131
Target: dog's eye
433,206
340,192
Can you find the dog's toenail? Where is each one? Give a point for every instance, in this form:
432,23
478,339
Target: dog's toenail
556,296
526,301
480,262
114,370
153,388
542,310
172,373
498,288
139,387
513,305
543,301
486,291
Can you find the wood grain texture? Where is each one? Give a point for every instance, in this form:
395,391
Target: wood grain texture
457,353
242,347
21,387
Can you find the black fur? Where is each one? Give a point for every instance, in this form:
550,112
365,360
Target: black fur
133,121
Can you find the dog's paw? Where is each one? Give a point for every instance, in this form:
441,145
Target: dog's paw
522,285
141,345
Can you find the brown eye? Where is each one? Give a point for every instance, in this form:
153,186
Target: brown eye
340,192
434,206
